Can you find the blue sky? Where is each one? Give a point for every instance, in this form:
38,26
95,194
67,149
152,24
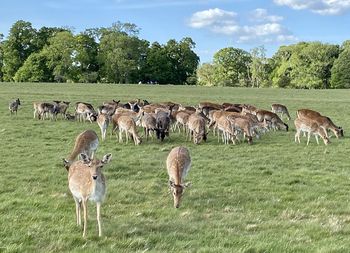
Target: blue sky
212,24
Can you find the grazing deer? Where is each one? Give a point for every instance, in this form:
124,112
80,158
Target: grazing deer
148,122
242,125
127,124
196,126
282,109
42,110
178,164
86,181
310,127
103,122
228,133
162,124
13,106
85,111
86,142
268,116
62,108
323,121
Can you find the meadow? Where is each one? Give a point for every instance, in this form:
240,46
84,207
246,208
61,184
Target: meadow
272,196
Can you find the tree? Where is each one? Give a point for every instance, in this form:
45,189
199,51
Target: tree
120,56
232,66
258,67
17,48
61,56
206,74
85,60
340,70
34,69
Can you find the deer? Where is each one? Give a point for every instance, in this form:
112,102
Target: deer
196,126
178,164
13,106
227,129
85,111
87,182
268,116
148,122
242,125
127,124
162,124
103,122
323,121
43,109
310,127
87,143
282,109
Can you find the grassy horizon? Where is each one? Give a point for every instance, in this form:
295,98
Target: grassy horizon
272,196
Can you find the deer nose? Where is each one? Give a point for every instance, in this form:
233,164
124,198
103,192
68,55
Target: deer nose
94,177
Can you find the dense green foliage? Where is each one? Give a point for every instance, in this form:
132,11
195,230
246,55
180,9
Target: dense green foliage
113,55
116,54
272,196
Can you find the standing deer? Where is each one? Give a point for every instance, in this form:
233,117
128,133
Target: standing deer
87,143
103,122
282,109
127,124
178,164
310,127
86,181
13,106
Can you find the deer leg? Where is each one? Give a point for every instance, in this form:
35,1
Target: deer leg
316,136
78,211
84,202
308,138
98,208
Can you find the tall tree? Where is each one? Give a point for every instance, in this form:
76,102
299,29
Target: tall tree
206,74
232,66
61,56
340,70
17,48
258,67
86,58
119,57
34,69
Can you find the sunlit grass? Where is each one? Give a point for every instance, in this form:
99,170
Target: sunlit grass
272,196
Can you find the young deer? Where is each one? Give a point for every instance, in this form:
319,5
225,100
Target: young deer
87,143
103,122
310,127
86,181
178,164
282,109
127,124
13,106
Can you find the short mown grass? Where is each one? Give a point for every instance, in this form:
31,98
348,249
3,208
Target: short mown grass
272,196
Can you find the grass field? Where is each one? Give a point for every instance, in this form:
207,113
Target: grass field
272,196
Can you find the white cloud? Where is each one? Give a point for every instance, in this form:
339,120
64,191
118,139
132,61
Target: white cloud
261,15
265,28
212,17
323,7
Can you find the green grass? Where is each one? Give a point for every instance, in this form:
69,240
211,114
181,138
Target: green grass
272,196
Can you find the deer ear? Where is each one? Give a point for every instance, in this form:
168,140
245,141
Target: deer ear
86,159
66,163
106,158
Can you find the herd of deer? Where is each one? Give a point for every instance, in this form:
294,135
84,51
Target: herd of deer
85,178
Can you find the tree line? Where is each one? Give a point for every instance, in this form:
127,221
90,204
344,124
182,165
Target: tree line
117,55
305,65
109,54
